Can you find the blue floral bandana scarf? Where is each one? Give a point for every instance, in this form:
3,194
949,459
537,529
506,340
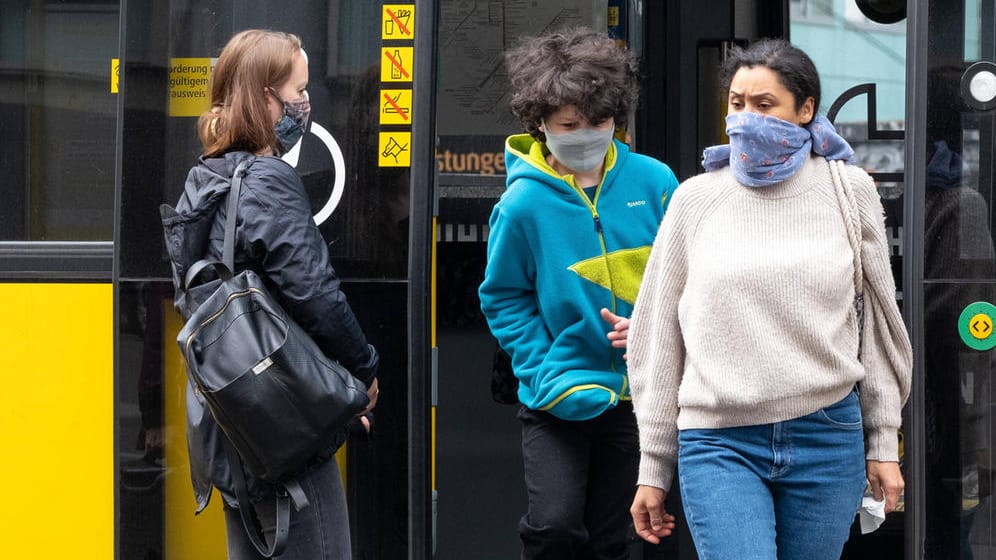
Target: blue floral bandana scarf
765,150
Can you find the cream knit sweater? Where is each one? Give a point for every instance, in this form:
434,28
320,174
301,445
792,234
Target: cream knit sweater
745,315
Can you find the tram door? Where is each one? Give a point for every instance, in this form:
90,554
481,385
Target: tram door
356,162
479,475
955,79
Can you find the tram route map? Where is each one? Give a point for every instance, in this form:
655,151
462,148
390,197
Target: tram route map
473,35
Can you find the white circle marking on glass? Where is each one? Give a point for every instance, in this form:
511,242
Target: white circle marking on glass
983,86
338,161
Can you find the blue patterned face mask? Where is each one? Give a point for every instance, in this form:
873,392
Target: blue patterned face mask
293,123
765,150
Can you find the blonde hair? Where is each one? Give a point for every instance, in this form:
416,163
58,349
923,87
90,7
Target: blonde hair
239,119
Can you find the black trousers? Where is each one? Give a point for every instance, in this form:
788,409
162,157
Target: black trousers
580,479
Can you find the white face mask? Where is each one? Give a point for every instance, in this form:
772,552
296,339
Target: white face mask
581,150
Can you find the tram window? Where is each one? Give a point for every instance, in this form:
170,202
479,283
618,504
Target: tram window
58,114
359,193
874,55
473,117
870,53
975,31
809,10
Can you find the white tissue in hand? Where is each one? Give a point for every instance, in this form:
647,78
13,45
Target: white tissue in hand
872,514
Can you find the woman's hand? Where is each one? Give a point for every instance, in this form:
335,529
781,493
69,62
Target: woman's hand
620,328
886,481
650,520
372,391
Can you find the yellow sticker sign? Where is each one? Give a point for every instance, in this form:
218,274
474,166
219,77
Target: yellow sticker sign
396,64
395,149
398,21
396,106
190,86
115,74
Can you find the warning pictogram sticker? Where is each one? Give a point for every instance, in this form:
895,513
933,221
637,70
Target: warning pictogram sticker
396,64
395,149
395,106
398,21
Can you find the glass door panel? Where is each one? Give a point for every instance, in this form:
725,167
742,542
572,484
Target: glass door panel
863,81
959,280
359,188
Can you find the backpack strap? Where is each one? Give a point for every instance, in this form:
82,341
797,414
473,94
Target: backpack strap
228,249
226,268
247,512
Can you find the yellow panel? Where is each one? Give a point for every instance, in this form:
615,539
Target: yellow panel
186,535
190,86
57,421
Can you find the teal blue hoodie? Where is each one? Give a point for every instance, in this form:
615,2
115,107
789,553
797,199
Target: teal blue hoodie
555,258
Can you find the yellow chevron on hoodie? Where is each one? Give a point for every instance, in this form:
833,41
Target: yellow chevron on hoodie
619,271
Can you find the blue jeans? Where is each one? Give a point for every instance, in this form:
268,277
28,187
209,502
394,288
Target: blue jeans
787,490
317,532
580,480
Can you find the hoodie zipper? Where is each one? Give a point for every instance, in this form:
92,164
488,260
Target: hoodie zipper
592,206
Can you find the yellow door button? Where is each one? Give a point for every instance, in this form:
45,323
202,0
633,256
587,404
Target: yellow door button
981,326
975,325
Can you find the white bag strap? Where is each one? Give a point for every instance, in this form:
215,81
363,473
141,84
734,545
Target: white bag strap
852,222
852,218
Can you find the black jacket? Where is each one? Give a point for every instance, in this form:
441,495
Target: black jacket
278,239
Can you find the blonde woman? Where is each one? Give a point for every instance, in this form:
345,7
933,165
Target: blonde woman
260,109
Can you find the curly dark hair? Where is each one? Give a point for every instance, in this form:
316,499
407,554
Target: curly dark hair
573,67
794,68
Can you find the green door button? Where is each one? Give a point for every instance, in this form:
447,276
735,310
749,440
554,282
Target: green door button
975,325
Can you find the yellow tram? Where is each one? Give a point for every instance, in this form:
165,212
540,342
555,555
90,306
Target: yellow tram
402,163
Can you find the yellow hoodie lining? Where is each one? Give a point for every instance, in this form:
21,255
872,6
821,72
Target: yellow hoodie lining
623,396
575,389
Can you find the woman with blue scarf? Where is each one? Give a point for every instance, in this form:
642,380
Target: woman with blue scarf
745,361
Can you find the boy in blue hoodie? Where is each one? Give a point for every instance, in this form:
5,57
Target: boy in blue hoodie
569,241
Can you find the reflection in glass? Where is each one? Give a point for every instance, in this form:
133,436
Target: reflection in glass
959,268
57,114
142,439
